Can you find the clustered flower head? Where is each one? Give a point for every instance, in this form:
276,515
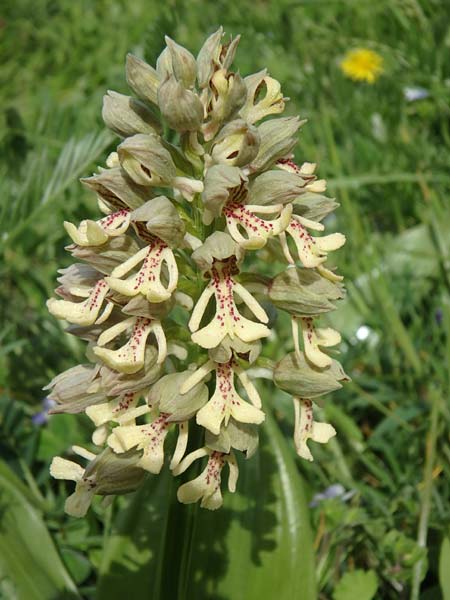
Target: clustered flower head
167,291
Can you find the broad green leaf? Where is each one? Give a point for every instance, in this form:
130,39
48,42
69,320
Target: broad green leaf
29,561
258,545
444,569
356,585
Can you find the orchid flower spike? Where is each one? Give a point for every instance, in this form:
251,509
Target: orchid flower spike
202,237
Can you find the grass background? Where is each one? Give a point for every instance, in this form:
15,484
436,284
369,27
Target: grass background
386,160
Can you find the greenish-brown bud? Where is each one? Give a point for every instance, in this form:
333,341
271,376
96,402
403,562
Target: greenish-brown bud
184,66
180,107
127,116
166,395
208,57
142,79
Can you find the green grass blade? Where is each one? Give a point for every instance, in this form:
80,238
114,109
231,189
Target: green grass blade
29,562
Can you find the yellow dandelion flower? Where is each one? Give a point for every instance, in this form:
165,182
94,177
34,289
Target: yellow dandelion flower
362,64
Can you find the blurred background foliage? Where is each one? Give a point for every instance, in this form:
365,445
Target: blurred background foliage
378,494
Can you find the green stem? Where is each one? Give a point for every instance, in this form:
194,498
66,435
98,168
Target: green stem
427,490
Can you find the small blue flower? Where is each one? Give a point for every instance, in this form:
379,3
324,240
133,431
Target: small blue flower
414,93
41,417
336,490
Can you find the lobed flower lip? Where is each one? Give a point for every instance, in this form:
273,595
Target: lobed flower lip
227,320
226,402
306,428
130,357
207,485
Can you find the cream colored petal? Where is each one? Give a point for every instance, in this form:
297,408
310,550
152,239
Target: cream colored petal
330,242
248,331
251,390
246,413
212,414
180,448
322,432
189,459
295,337
100,434
83,452
211,335
105,314
161,341
328,337
312,351
234,472
129,264
81,313
192,491
78,503
61,468
330,275
314,225
89,233
197,376
306,428
251,302
130,357
200,307
213,501
285,248
109,334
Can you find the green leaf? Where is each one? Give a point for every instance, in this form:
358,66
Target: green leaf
356,585
258,545
444,570
29,561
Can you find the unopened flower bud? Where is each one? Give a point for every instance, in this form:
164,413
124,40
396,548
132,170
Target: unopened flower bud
184,66
208,57
142,79
180,107
127,116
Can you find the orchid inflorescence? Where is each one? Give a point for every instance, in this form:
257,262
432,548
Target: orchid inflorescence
173,322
